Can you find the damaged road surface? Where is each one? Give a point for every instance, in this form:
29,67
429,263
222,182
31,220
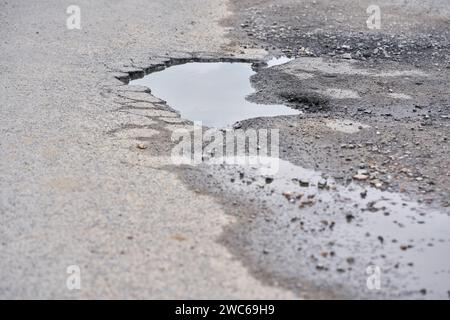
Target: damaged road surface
213,93
319,234
312,234
357,206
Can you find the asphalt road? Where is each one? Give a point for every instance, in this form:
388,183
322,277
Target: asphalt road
86,179
70,193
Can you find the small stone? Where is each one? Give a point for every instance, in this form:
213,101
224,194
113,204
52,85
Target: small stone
303,183
377,183
269,180
287,195
360,177
142,146
347,56
178,237
320,267
322,184
306,202
349,217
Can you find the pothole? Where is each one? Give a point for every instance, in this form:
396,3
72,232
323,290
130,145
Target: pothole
333,231
212,92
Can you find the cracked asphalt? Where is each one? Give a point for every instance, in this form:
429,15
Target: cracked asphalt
86,177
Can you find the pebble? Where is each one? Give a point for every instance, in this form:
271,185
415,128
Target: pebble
303,183
269,180
360,177
322,184
347,56
363,194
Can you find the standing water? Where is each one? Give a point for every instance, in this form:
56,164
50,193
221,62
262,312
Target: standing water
213,93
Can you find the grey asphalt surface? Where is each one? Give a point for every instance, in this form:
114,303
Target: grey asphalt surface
74,194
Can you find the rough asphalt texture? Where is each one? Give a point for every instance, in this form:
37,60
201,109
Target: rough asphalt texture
71,192
86,180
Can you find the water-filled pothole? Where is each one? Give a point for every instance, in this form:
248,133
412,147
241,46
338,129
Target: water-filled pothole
213,93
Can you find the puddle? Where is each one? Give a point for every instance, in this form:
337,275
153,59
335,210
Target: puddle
330,233
213,93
